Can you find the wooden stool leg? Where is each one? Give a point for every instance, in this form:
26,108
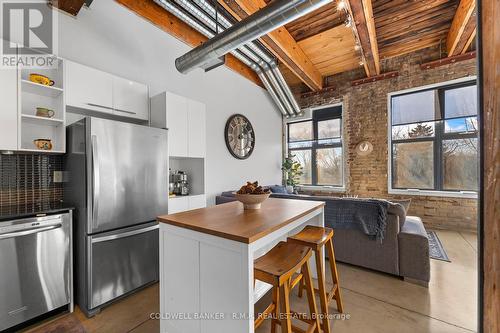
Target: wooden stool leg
276,301
310,295
286,322
322,290
335,276
301,284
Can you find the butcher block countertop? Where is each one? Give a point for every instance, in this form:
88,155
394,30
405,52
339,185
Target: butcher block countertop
231,221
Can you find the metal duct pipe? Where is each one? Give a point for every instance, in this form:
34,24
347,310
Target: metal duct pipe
274,15
276,71
255,48
252,49
242,55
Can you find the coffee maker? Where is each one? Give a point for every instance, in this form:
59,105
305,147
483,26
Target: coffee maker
179,179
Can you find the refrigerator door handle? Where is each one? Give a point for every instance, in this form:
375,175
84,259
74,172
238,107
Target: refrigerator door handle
124,234
96,181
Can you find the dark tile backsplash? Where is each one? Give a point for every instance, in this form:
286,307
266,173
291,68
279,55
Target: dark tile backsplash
28,180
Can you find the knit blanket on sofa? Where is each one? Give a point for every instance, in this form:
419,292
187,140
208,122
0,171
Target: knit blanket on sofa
367,215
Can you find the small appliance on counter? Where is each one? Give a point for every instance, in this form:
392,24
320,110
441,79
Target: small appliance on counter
179,179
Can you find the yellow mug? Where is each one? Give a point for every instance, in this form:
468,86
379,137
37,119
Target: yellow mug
41,79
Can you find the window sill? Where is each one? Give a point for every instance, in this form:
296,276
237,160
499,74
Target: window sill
321,188
412,192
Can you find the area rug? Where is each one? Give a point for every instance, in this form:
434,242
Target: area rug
436,249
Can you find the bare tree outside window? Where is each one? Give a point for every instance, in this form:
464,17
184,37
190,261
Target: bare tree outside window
441,154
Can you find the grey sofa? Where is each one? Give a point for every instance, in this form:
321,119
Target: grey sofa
404,251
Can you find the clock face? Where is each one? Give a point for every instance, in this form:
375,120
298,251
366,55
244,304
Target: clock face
240,137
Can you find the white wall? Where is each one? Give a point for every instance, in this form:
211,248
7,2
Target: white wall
111,38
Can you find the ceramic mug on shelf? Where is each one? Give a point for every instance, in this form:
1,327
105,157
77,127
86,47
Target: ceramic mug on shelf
43,144
44,112
41,79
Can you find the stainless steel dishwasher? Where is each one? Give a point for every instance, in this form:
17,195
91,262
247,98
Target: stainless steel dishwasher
35,267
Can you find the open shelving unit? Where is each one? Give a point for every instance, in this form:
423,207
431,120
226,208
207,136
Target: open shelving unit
33,95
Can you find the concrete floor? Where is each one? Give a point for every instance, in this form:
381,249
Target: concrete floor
375,302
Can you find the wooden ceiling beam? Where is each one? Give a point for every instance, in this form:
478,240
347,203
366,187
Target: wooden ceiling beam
169,23
463,28
361,12
72,7
280,42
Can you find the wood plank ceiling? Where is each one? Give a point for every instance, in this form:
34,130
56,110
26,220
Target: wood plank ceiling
343,35
379,29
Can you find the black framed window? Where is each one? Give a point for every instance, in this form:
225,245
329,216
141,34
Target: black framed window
435,139
317,145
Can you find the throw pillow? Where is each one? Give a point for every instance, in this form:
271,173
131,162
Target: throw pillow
278,189
405,203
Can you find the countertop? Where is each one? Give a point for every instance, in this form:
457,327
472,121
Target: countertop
231,221
25,211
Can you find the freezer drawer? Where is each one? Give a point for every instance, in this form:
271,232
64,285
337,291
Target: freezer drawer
35,267
121,261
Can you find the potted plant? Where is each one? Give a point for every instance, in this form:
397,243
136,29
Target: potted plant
292,170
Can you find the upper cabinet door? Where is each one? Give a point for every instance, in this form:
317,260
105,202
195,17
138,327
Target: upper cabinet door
8,109
88,88
196,129
177,124
130,99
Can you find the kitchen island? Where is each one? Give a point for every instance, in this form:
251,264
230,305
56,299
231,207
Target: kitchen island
206,262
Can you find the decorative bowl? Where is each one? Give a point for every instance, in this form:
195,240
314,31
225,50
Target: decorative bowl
252,201
43,144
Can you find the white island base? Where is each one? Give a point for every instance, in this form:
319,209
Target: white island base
206,280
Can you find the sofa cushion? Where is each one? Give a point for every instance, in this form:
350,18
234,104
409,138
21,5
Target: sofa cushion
414,259
229,194
278,189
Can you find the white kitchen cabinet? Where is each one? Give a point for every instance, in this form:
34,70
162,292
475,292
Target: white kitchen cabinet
182,204
8,110
88,88
185,120
178,204
177,125
196,129
197,201
130,99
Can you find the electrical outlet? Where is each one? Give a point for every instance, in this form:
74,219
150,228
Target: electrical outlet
58,176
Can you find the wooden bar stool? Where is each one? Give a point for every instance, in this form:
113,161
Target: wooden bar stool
316,238
277,268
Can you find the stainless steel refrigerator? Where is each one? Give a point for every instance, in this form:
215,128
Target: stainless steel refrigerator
117,179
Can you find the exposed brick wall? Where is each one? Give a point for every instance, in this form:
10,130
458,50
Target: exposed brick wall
365,118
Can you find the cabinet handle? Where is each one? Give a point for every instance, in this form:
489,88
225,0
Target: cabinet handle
130,112
100,106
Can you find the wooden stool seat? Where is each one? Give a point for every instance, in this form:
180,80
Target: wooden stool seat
277,267
281,262
317,239
313,235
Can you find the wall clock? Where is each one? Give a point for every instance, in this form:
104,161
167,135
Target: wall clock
240,136
364,148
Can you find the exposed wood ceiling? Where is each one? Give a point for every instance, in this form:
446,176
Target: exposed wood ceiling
332,51
322,19
321,44
407,26
161,18
280,42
